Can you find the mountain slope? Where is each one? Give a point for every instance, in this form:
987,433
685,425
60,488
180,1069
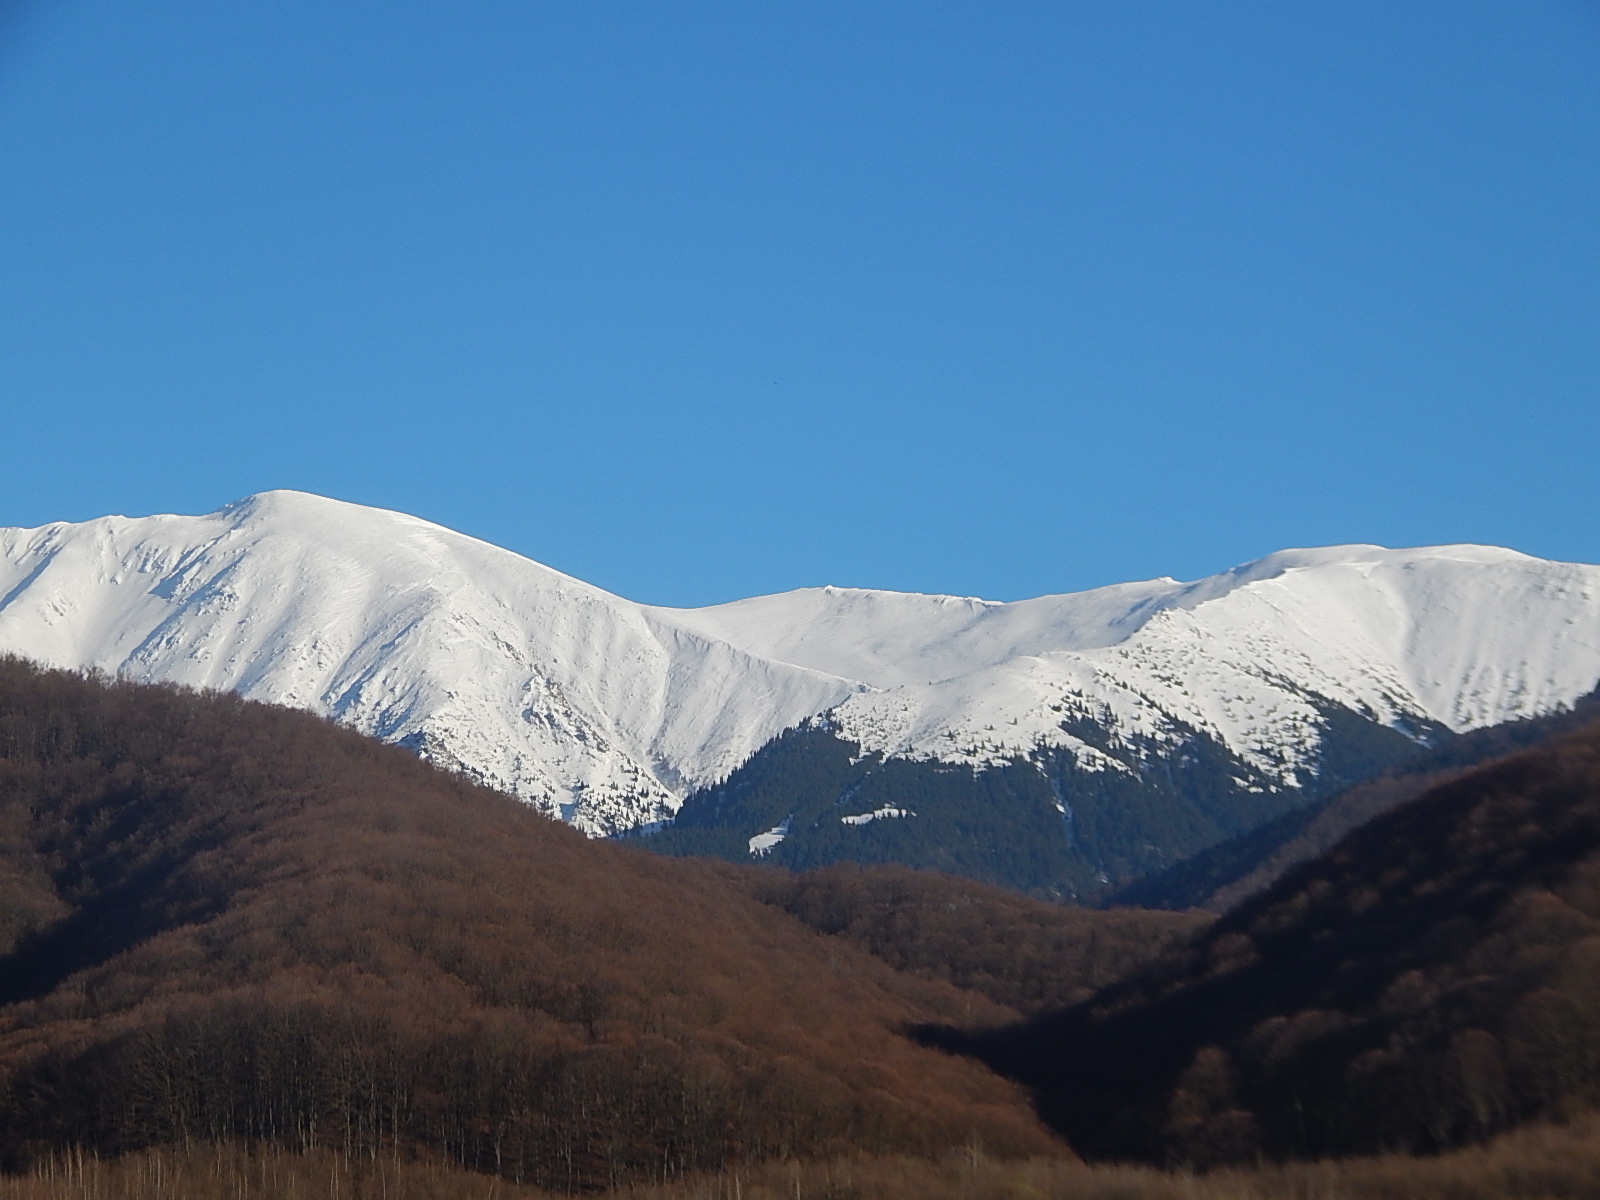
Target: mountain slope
1049,823
1458,636
1270,684
531,681
1222,876
1428,981
1072,744
1027,955
234,921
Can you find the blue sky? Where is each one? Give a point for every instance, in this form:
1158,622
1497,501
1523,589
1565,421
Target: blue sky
704,299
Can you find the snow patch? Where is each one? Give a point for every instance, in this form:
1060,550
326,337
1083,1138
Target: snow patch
877,814
762,843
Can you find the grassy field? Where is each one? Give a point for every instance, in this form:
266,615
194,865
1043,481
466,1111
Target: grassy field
1552,1162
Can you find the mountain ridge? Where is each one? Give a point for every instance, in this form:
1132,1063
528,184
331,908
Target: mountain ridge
609,713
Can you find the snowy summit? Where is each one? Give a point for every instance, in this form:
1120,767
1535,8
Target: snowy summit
607,712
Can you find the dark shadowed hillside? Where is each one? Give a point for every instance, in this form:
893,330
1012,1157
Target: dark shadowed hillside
224,920
1223,875
1043,824
1432,979
1024,953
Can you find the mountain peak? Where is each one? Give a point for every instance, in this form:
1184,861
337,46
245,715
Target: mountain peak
609,711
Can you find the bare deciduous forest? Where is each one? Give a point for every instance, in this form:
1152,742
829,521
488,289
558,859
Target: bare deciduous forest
246,953
1029,956
229,921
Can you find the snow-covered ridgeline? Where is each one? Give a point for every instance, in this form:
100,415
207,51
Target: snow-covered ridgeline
1462,635
583,703
607,711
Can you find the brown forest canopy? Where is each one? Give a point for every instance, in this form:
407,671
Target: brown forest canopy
220,919
1030,956
1432,979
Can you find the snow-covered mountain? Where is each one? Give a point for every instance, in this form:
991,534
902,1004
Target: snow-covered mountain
1461,636
609,712
585,704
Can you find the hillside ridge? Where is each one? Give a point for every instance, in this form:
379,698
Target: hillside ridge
222,920
1425,983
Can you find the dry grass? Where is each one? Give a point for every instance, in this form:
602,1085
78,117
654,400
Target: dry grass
1553,1162
1547,1163
237,1173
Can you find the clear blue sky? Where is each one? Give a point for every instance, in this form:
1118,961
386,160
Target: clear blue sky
697,300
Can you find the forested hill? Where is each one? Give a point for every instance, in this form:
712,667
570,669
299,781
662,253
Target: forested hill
228,920
1031,956
1432,979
